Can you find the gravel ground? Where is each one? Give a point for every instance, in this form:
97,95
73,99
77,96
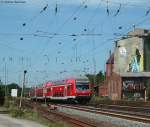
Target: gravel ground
7,121
103,118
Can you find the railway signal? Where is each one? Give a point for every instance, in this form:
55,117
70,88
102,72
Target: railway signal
23,85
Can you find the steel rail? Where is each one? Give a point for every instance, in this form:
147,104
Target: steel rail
46,113
114,113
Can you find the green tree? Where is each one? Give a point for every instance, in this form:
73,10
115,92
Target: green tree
91,78
97,79
2,90
13,86
100,77
2,93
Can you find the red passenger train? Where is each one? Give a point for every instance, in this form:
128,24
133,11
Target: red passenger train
71,89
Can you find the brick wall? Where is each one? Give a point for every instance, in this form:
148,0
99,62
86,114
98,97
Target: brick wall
115,87
103,89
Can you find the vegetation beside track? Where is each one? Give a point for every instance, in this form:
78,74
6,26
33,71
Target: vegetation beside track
25,113
29,114
33,115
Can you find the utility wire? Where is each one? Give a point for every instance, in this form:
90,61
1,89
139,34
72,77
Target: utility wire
93,16
63,24
147,12
118,10
125,4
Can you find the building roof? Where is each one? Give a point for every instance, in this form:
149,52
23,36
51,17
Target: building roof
139,32
135,74
110,59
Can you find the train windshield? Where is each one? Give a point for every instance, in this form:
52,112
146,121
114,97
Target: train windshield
82,85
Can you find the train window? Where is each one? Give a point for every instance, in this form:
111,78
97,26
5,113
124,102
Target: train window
69,88
82,86
49,90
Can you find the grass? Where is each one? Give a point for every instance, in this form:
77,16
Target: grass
33,115
96,100
61,124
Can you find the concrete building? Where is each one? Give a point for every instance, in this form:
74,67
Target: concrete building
128,69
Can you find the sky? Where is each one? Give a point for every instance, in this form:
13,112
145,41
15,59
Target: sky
56,39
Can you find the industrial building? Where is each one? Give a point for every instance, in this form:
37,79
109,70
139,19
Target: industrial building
128,68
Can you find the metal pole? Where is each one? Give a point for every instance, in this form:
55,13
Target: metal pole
94,62
145,95
22,91
5,80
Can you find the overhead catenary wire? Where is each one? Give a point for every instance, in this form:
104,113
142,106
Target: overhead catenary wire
56,9
13,48
44,8
118,10
129,4
35,16
70,35
134,25
92,17
63,24
55,34
107,10
147,12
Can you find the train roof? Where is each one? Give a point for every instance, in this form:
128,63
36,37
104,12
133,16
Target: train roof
63,81
70,78
78,78
47,84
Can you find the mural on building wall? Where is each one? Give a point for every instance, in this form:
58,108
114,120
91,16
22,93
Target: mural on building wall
133,89
129,55
136,62
132,85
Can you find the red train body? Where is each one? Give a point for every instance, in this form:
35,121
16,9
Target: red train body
72,89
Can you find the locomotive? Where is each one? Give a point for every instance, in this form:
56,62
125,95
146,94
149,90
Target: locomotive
71,89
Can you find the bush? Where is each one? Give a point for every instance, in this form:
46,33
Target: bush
7,101
30,114
1,101
58,125
95,100
17,112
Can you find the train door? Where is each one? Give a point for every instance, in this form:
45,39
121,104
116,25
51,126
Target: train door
44,92
69,90
51,91
65,91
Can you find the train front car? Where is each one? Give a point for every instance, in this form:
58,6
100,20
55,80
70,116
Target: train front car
83,90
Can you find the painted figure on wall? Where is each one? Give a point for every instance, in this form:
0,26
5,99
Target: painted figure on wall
135,64
129,56
138,55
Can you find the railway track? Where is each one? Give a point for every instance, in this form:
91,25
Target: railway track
135,116
47,113
126,108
